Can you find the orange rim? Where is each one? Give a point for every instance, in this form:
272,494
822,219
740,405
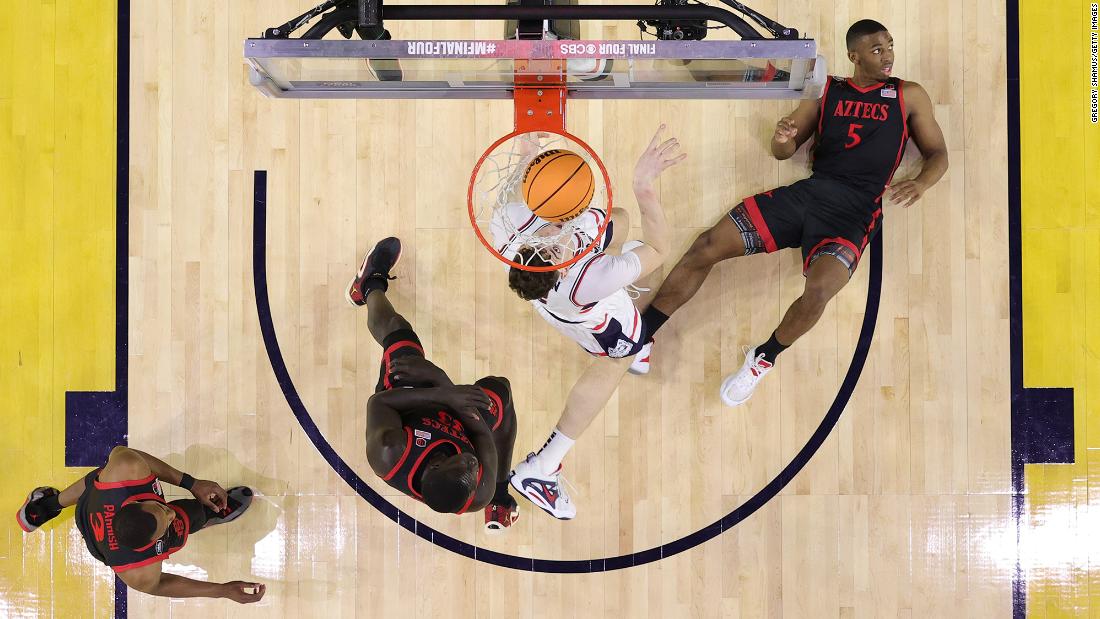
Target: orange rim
489,246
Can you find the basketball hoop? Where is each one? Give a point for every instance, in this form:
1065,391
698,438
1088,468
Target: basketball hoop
501,219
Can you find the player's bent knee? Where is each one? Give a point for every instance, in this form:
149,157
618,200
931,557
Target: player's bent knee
707,250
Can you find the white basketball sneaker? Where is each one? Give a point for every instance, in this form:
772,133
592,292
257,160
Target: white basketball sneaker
545,491
640,365
737,388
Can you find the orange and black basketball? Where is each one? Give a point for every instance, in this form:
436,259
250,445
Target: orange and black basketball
558,185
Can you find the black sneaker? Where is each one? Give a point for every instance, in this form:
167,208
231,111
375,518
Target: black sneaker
30,515
240,497
376,267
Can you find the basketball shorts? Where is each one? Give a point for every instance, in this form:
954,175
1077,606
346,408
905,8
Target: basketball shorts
400,343
823,217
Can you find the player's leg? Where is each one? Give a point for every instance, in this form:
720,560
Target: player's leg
200,516
825,277
538,477
720,242
503,511
374,277
45,503
763,223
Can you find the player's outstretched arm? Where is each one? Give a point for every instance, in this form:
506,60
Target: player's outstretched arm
929,138
126,463
792,131
659,155
149,579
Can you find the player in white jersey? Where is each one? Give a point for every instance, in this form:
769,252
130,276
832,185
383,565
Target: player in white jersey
589,303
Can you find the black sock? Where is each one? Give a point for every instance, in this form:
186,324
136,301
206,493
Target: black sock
375,282
770,349
653,319
502,497
49,503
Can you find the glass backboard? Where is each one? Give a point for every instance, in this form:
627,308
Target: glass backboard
488,69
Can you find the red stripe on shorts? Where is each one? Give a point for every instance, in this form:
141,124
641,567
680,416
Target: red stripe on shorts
758,221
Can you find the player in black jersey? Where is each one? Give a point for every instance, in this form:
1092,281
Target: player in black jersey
861,125
127,524
445,445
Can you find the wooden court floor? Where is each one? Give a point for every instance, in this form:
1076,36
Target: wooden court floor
906,510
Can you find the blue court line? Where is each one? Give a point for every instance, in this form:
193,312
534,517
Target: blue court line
1041,418
768,492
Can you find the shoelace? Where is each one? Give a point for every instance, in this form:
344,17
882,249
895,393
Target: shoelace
571,487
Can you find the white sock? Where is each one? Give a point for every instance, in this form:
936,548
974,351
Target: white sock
549,458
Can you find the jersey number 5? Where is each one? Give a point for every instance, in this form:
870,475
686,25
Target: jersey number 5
855,136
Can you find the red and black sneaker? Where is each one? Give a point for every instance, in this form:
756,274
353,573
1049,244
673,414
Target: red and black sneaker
375,272
500,517
240,497
31,516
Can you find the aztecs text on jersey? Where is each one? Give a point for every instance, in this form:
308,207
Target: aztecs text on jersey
861,133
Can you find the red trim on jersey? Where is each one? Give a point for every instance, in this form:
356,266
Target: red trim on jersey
634,329
904,139
577,284
867,89
130,566
758,221
874,222
470,501
147,546
107,485
824,242
144,496
404,455
500,405
416,465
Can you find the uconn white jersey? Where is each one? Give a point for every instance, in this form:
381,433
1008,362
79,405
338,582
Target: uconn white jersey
589,304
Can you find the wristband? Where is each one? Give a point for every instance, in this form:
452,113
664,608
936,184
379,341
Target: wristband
187,481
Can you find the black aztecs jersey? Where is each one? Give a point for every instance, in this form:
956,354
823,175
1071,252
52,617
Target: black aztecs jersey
432,429
95,513
861,133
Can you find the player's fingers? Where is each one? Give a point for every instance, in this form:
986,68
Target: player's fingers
657,136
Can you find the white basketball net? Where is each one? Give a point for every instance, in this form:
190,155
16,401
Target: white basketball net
504,219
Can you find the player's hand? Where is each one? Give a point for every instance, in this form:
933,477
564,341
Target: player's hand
463,397
418,370
244,592
659,156
785,130
906,193
210,494
469,417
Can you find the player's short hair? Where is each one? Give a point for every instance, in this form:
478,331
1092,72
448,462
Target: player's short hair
446,491
134,526
531,285
860,29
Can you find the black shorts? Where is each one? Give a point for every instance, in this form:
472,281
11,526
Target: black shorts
823,217
196,513
400,343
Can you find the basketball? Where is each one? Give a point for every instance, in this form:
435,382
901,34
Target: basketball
558,185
